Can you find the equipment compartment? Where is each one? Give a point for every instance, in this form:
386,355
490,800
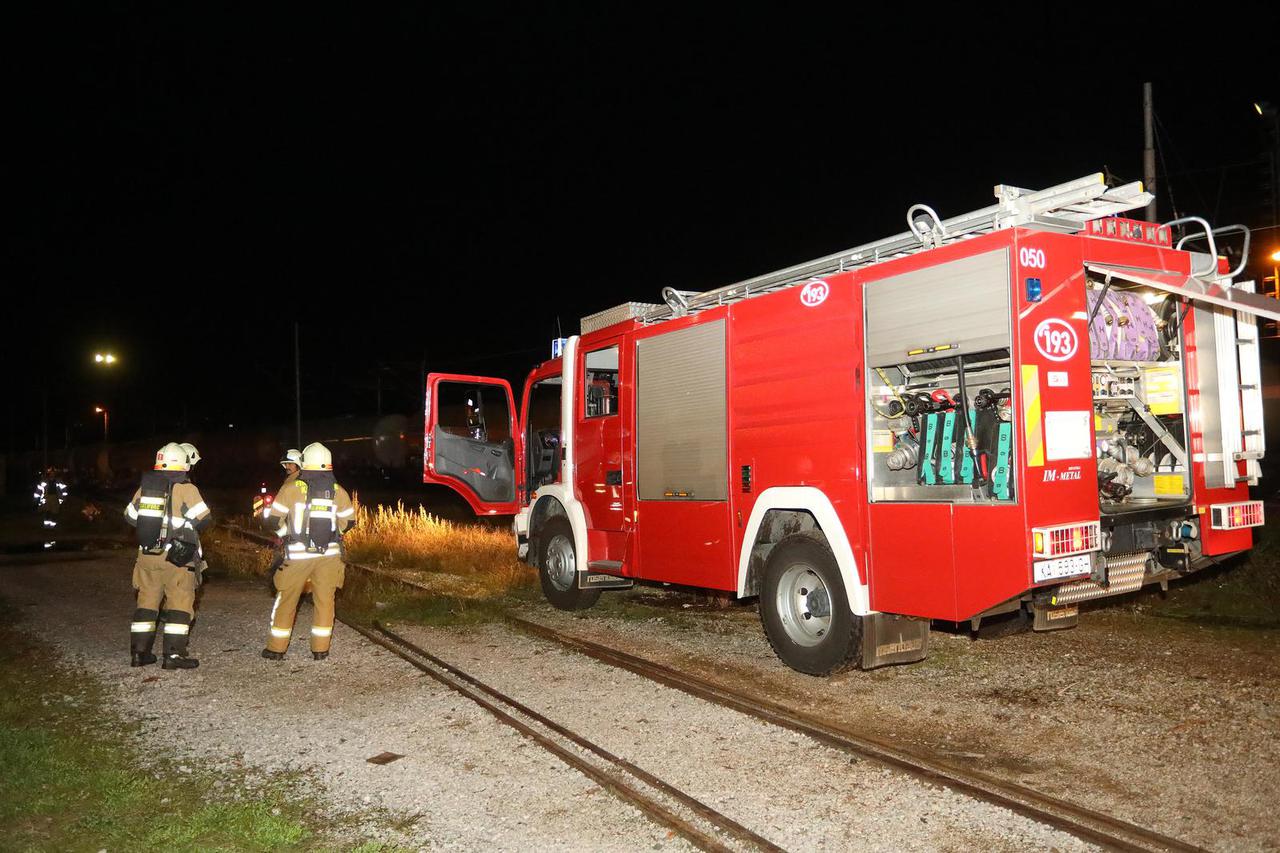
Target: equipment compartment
1139,399
923,449
940,385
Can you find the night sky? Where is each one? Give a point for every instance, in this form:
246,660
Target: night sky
441,186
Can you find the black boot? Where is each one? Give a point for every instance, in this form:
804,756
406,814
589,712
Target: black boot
319,655
270,655
177,631
142,634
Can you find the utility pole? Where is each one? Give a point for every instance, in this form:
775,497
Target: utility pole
44,434
297,385
1149,150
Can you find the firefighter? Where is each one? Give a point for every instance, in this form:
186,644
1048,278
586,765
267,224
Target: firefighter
50,495
314,512
168,512
292,464
193,456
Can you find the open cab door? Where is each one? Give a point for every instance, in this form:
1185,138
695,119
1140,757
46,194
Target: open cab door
471,442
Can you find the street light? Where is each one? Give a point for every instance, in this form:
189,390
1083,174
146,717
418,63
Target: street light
104,358
106,422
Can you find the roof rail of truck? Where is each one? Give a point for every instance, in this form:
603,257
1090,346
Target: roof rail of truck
1063,208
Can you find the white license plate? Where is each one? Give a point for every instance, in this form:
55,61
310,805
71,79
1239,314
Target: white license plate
1063,567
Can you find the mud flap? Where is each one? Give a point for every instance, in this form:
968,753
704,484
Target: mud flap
599,580
1048,618
888,639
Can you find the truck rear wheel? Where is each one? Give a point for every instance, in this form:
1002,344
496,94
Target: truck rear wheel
558,567
805,610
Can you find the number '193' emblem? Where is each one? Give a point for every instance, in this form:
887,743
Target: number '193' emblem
1055,339
814,293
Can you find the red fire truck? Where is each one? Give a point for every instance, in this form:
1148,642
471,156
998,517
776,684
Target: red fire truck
1009,411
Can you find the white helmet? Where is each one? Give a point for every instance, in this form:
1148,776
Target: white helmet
193,455
172,457
292,456
316,457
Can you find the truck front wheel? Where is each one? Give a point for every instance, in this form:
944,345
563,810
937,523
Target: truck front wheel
804,608
558,567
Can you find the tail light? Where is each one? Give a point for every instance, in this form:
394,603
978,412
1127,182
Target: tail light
1236,515
1066,539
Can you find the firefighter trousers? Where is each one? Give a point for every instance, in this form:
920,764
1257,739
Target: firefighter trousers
326,575
159,581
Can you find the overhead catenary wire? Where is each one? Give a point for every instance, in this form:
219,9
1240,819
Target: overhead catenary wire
1164,165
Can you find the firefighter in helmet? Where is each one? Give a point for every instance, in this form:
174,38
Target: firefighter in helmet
193,456
291,462
50,495
169,513
314,511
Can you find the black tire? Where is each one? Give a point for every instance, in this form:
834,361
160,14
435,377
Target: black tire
558,567
807,636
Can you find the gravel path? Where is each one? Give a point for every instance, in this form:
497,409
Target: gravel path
467,780
1164,723
796,792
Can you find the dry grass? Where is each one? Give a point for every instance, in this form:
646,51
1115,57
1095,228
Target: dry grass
459,560
235,556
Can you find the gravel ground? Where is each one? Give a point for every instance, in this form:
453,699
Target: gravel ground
797,793
465,780
1165,723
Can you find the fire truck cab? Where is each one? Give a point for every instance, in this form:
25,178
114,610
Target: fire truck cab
1010,411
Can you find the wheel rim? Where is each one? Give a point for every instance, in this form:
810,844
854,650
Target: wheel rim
560,564
804,605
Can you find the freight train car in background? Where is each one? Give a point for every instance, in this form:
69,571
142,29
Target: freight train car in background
369,450
1016,409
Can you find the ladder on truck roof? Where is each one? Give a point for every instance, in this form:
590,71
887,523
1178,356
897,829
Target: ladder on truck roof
1064,208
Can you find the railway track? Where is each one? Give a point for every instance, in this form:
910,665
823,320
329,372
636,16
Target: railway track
1090,825
696,821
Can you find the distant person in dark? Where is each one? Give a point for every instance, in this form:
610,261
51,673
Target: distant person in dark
50,495
314,512
169,513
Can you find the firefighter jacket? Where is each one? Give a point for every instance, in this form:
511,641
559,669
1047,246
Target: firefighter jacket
167,506
261,506
314,512
50,493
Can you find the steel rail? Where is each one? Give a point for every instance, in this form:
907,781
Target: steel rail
1093,826
610,783
703,810
468,686
1096,827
